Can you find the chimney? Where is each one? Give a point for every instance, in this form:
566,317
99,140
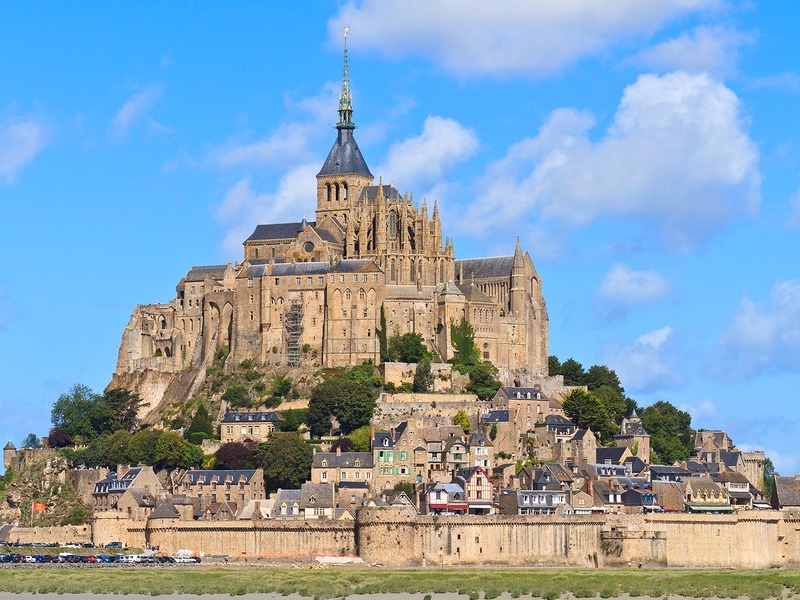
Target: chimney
122,470
338,450
372,433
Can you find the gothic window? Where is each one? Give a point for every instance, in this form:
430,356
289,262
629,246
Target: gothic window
392,224
348,295
441,272
163,323
412,272
392,271
362,295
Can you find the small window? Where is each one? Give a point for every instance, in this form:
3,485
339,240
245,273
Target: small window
341,278
309,280
249,282
277,281
297,281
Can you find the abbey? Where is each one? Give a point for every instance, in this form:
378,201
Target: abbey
311,293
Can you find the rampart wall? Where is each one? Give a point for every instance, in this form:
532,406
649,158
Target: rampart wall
51,535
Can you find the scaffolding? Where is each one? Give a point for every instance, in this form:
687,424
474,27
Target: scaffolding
293,332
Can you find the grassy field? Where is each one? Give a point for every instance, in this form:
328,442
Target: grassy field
343,582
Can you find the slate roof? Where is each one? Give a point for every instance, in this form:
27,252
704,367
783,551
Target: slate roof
254,509
316,494
787,490
527,393
473,294
353,485
164,510
252,417
343,460
732,477
287,496
485,268
384,439
408,291
345,157
279,231
301,268
9,446
199,273
637,465
609,454
221,475
631,427
667,472
355,265
111,484
731,459
495,416
479,438
327,236
370,193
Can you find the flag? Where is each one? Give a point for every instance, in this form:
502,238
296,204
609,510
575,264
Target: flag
39,506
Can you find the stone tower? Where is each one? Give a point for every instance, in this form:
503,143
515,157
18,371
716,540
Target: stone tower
633,435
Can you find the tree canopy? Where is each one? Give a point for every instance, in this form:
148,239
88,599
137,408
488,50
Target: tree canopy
349,397
408,348
286,460
423,378
234,455
671,435
588,411
462,336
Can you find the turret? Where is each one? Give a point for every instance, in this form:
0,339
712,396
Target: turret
518,288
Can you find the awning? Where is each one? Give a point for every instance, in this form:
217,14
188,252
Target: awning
725,508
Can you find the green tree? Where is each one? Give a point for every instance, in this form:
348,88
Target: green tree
671,434
173,452
407,487
588,412
91,455
31,441
382,336
122,406
116,448
423,377
279,389
600,375
237,396
462,420
80,413
768,482
234,455
483,380
201,427
349,397
292,419
493,432
462,336
142,446
361,438
553,365
408,348
615,403
573,372
286,460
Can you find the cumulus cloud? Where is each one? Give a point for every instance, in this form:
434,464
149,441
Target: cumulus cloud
623,288
20,141
704,50
676,158
763,338
648,364
134,109
421,160
703,410
243,206
472,37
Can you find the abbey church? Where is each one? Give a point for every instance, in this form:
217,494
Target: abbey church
311,293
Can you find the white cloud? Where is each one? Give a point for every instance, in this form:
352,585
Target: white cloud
703,410
648,364
424,159
763,338
623,288
474,37
704,50
134,109
20,141
676,158
243,207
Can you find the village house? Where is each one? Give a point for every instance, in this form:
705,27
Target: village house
533,502
237,486
133,491
632,435
248,425
342,467
786,493
478,490
702,495
444,498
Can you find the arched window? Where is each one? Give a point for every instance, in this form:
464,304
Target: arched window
328,187
392,271
163,323
256,252
362,295
336,185
412,271
441,272
392,224
344,187
167,352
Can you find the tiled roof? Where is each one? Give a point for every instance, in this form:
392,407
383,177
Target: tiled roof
278,231
495,416
302,268
485,268
473,294
345,157
200,273
252,416
343,460
370,193
219,475
316,494
787,490
355,265
164,510
522,392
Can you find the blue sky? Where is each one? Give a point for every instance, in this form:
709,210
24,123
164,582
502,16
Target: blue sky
646,152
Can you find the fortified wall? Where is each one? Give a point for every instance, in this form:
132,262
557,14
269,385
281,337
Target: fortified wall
397,537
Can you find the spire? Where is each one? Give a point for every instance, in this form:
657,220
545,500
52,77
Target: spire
518,256
345,97
435,210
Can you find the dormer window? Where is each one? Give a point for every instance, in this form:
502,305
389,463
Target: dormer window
385,441
325,463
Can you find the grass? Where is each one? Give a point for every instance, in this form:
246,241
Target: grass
341,583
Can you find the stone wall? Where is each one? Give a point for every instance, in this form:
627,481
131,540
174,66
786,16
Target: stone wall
51,535
444,378
391,409
252,538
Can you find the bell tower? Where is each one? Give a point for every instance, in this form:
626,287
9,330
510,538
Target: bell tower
345,173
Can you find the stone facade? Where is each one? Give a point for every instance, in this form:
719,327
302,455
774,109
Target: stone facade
312,293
